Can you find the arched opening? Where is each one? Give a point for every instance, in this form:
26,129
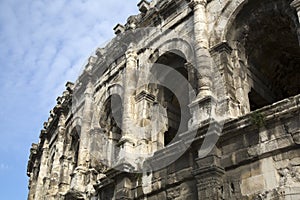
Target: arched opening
177,110
110,122
74,148
51,161
264,35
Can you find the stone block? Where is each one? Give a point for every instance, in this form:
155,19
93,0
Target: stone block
252,185
143,6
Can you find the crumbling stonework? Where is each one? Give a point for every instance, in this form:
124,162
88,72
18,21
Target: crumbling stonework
225,103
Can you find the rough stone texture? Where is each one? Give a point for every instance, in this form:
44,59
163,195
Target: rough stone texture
244,62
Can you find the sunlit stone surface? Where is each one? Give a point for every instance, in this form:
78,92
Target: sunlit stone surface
178,76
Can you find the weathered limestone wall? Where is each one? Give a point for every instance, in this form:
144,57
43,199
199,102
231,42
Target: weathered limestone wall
241,60
264,158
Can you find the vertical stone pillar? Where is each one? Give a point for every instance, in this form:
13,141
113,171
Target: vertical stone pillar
80,175
39,194
224,80
65,179
209,176
124,187
129,83
83,156
144,106
98,147
62,169
203,108
59,145
192,80
124,182
203,59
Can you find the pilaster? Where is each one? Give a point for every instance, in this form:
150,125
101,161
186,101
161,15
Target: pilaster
129,84
63,181
224,80
117,183
144,100
209,176
80,175
127,142
59,145
192,78
39,194
83,156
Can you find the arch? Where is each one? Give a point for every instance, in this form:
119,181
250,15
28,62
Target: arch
75,123
174,99
103,94
105,134
178,46
111,116
264,37
229,14
110,122
114,88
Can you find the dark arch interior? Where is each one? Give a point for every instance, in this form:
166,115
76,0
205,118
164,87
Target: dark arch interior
111,116
75,134
110,122
168,99
267,30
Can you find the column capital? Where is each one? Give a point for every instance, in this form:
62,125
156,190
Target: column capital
131,53
189,65
195,3
45,145
89,89
221,47
61,124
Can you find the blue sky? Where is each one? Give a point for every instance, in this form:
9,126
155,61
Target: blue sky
43,44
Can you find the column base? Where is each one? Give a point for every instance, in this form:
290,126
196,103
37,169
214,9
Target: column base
203,111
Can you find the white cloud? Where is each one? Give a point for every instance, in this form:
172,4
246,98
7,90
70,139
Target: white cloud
44,44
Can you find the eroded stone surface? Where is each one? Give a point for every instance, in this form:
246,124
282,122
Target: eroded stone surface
112,129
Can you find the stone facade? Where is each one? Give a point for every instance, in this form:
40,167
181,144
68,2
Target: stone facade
222,123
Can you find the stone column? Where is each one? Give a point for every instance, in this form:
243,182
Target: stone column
192,80
129,82
203,59
80,175
226,83
63,181
59,145
144,106
203,107
124,181
98,147
83,156
39,194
